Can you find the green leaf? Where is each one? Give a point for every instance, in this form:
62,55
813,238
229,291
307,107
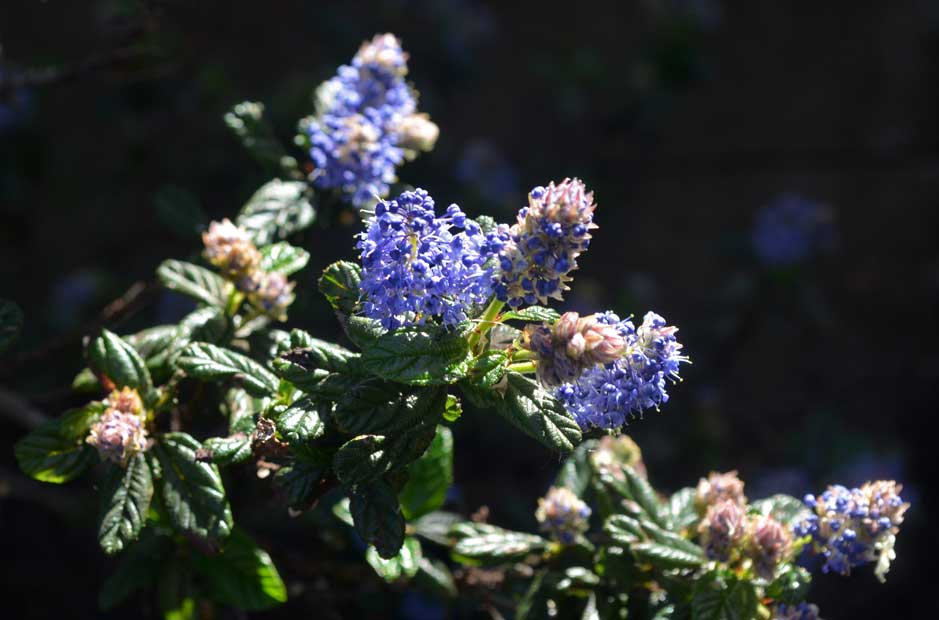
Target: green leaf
791,585
56,451
340,285
578,579
242,575
453,409
644,495
362,331
241,408
139,568
192,491
429,477
624,530
576,471
180,212
537,414
735,600
784,508
491,544
303,421
532,314
681,508
152,341
369,406
228,450
436,526
434,577
193,281
11,322
662,556
404,564
300,481
283,258
277,210
125,501
377,517
419,355
316,355
209,362
246,120
117,361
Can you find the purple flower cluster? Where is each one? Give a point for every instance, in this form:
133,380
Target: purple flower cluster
415,267
366,122
802,611
542,247
606,396
791,229
851,527
562,514
120,433
563,351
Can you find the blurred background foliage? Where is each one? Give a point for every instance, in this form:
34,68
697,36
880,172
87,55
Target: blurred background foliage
684,116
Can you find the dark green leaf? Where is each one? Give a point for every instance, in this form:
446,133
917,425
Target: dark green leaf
538,414
139,568
534,603
277,210
371,405
791,585
125,501
576,471
241,575
180,212
56,451
340,285
241,408
247,121
783,508
362,331
300,480
532,314
490,544
303,421
405,563
736,600
283,258
434,577
192,491
194,281
681,509
377,517
11,322
209,362
429,477
152,341
228,450
662,556
624,530
420,355
315,355
118,362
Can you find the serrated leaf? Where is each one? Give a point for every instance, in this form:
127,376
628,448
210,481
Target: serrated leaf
404,564
300,481
737,600
340,285
429,477
496,545
362,331
316,355
377,517
192,491
193,281
532,314
228,450
241,407
784,508
283,258
153,340
209,362
56,452
681,509
11,322
277,210
537,414
644,495
624,530
436,526
576,472
418,355
116,360
241,575
369,406
662,556
303,421
125,501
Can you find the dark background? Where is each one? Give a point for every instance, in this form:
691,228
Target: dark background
684,118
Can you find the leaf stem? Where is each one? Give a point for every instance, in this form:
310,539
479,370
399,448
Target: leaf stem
486,322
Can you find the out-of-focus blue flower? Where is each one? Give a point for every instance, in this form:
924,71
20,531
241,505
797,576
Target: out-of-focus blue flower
802,611
562,514
542,247
851,527
792,229
415,267
607,396
366,122
489,172
15,103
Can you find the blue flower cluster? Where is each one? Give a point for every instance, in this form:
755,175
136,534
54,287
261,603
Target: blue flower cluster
791,229
563,515
542,247
802,611
606,396
414,266
851,527
366,120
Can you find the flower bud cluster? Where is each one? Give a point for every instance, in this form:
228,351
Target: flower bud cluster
614,452
562,352
607,396
542,247
718,487
723,529
231,249
119,433
769,544
366,122
562,514
851,527
415,267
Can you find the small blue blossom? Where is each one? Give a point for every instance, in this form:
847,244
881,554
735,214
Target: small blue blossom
542,247
792,229
415,267
607,396
562,514
851,527
802,611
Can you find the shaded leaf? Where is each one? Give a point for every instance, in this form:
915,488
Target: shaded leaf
538,414
377,517
277,210
576,471
56,451
419,355
115,359
193,281
228,450
303,421
340,285
209,362
125,501
241,575
11,322
180,212
429,477
300,481
139,568
371,405
435,577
